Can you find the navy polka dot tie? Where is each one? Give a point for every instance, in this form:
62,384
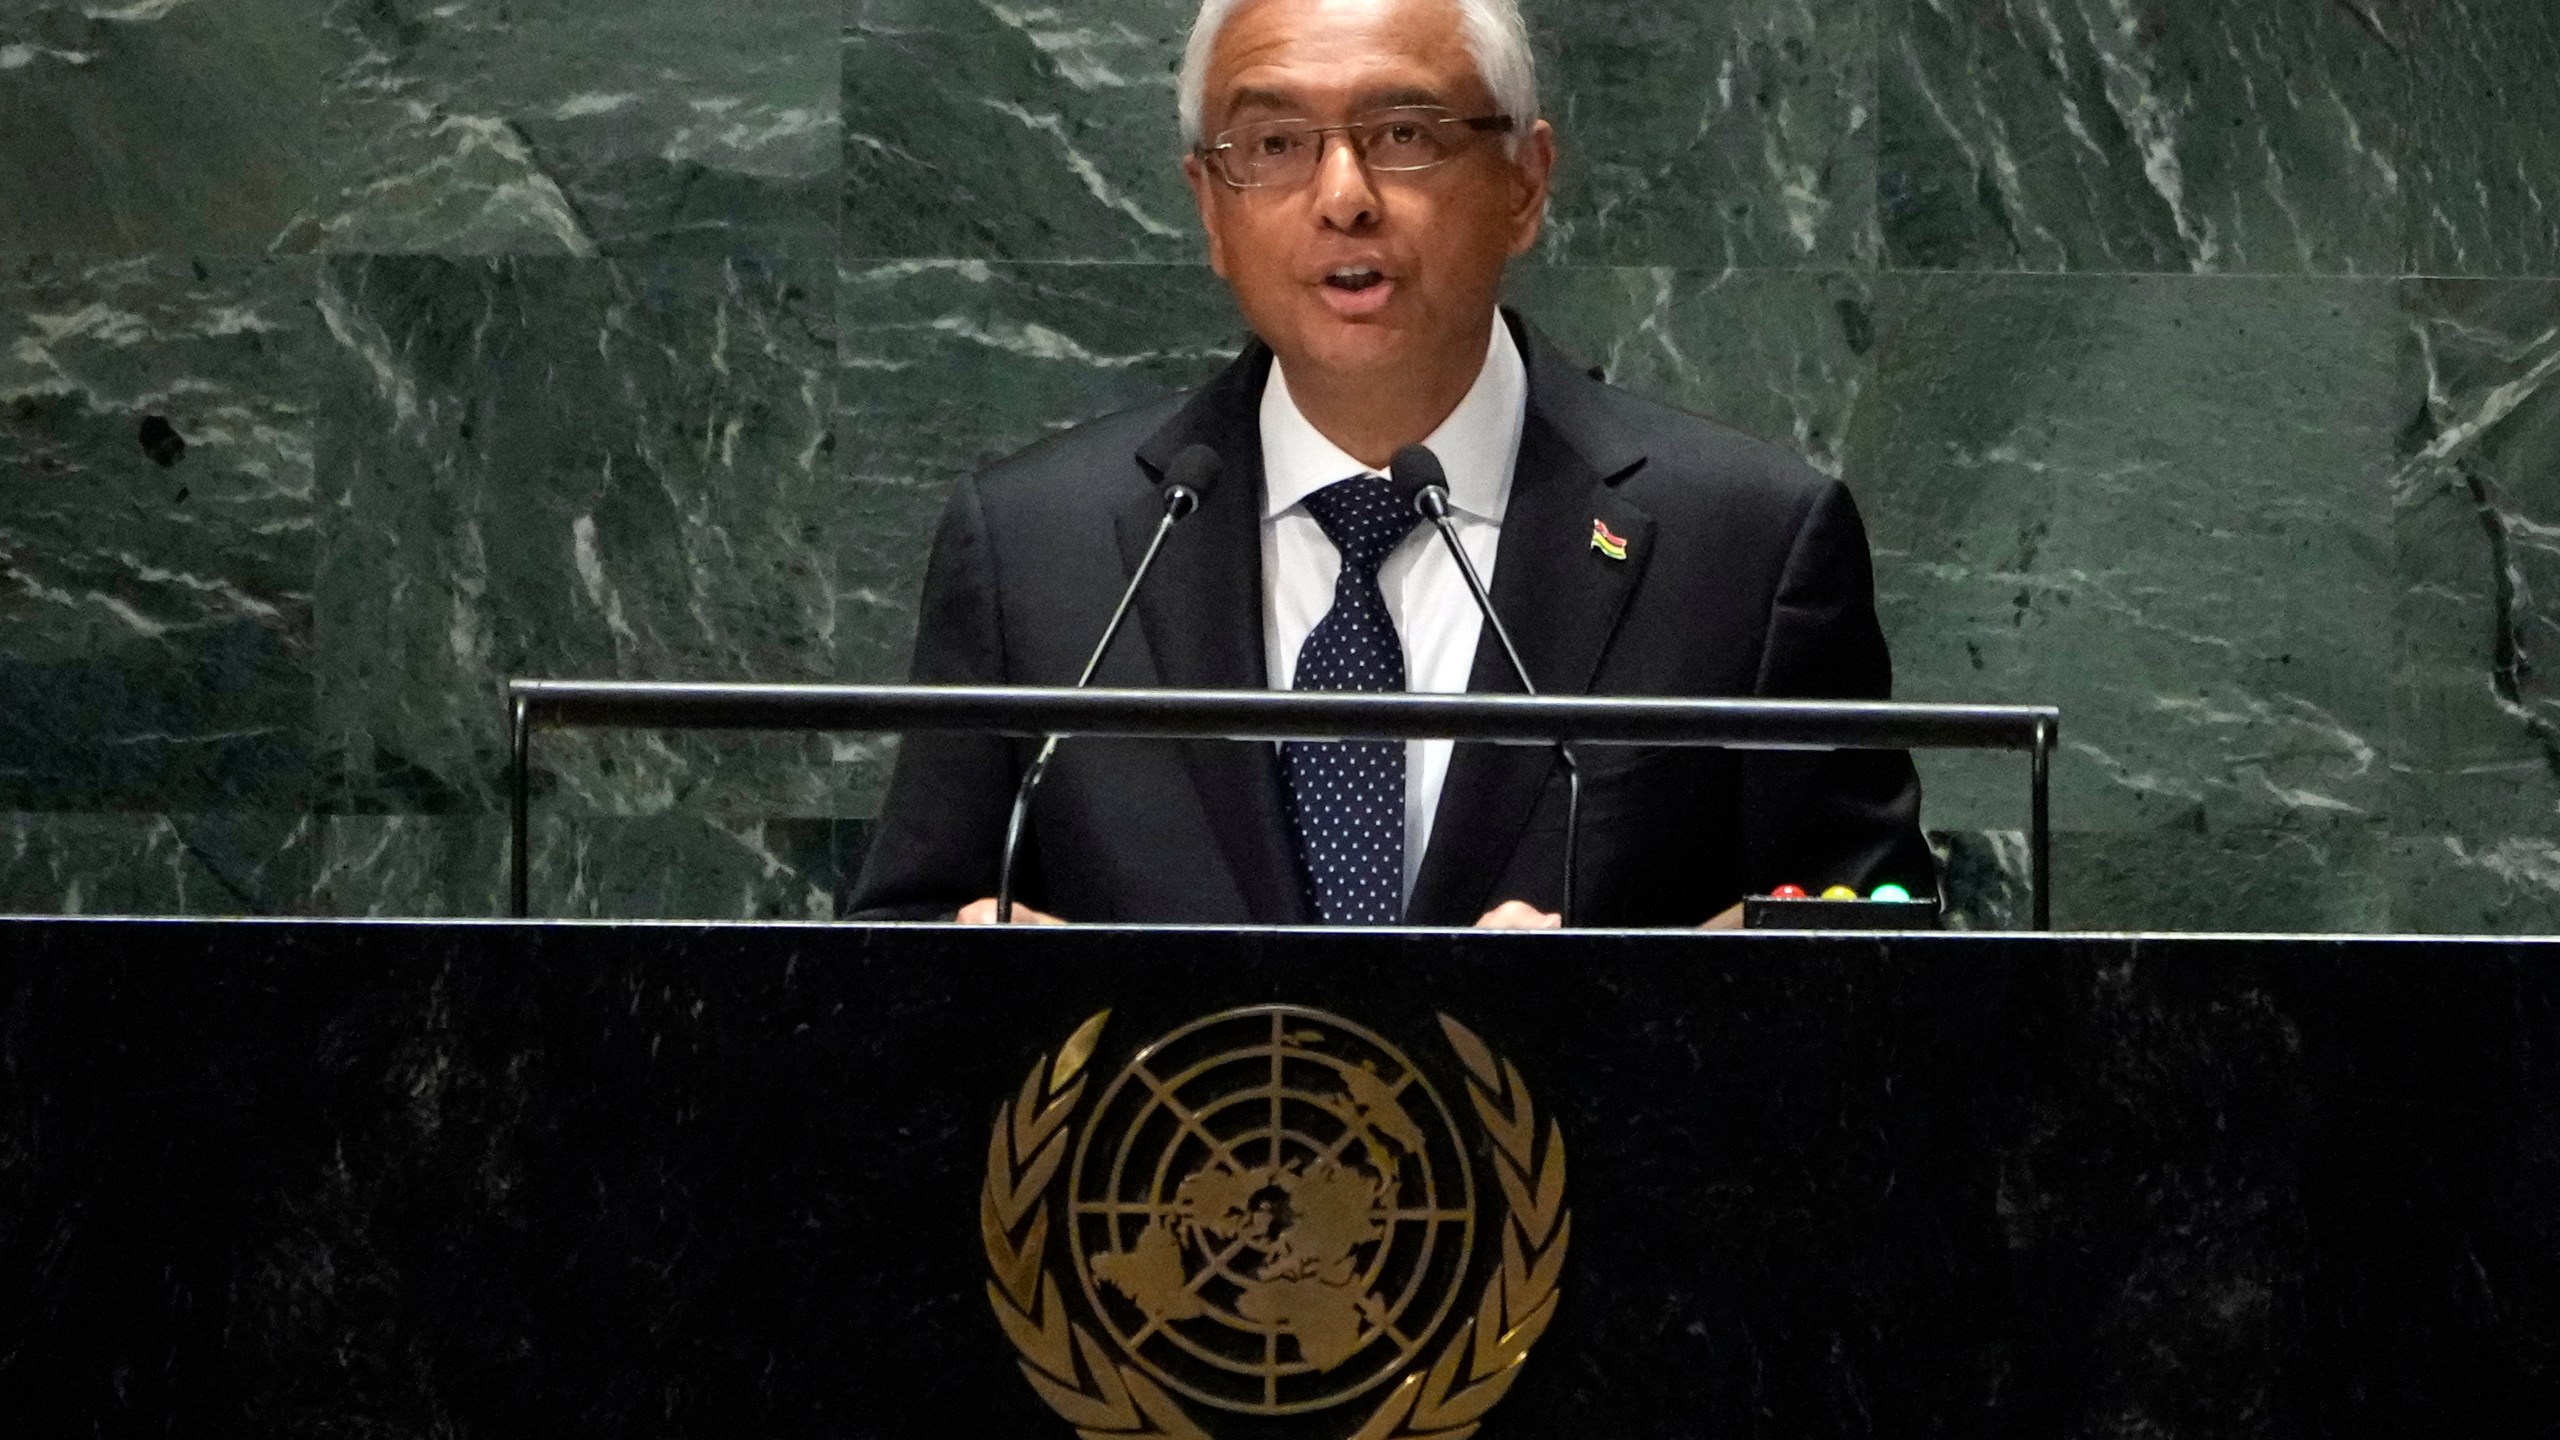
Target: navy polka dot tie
1346,797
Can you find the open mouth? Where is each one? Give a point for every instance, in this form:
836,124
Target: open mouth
1354,280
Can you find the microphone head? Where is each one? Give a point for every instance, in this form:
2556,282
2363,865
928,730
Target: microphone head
1417,472
1415,467
1193,474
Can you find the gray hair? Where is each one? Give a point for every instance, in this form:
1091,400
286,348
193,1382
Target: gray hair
1496,34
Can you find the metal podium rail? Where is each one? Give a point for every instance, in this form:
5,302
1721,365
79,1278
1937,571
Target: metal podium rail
1272,715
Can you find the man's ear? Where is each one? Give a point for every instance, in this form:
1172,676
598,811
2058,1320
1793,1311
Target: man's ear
1204,194
1533,174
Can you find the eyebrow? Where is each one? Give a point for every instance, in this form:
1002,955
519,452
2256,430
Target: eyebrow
1397,98
1261,100
1284,103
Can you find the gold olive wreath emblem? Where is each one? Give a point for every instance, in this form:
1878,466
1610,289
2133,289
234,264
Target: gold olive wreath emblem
1270,1212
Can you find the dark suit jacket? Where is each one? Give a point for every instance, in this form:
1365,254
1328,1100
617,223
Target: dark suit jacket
1746,574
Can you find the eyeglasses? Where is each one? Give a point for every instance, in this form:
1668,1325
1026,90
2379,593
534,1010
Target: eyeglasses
1397,141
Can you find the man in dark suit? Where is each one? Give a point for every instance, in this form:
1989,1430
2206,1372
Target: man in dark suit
1365,170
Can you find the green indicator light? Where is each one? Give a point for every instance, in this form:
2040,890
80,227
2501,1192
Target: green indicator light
1891,895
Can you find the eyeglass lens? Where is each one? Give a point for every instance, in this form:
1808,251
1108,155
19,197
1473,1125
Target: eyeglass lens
1287,152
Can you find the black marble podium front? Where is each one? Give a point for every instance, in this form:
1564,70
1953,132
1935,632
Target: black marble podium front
446,1180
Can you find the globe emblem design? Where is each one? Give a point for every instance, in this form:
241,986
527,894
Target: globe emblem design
1272,1211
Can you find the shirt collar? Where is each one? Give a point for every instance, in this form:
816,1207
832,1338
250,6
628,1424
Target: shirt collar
1478,445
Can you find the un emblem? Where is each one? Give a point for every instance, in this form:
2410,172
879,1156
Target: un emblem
1272,1212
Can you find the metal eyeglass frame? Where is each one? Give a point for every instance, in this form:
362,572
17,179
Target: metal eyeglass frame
1215,154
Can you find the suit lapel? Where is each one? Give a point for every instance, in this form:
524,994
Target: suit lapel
1202,614
1561,596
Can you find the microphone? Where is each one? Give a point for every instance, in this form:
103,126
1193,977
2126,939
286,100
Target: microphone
1418,470
1194,471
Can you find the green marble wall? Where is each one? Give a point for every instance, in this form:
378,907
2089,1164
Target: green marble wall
2198,365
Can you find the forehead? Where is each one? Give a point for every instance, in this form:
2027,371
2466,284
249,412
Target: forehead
1337,53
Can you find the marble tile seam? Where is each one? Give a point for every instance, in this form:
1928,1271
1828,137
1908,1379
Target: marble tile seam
866,262
869,263
2201,277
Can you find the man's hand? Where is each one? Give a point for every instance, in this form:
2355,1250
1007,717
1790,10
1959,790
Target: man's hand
1519,915
1509,915
983,912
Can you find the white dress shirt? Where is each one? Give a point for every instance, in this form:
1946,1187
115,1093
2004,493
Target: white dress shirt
1479,447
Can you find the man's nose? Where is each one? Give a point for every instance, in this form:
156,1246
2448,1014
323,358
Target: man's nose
1345,196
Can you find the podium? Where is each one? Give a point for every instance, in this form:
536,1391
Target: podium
501,1178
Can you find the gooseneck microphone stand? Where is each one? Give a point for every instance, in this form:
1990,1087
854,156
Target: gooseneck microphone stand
1193,472
1419,467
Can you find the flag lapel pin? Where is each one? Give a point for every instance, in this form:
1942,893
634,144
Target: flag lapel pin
1608,542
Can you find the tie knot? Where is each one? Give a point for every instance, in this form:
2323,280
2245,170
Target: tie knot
1366,517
